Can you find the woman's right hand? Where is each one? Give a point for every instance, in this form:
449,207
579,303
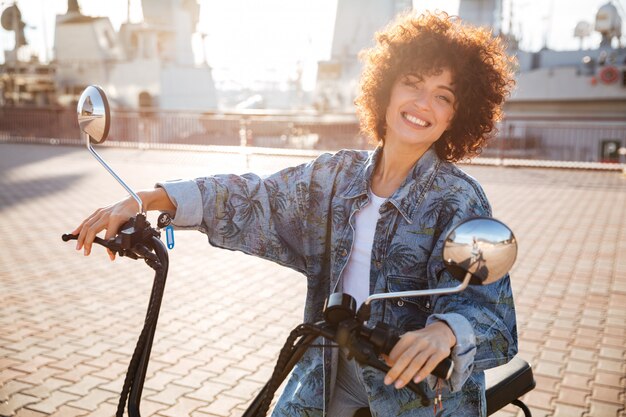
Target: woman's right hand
110,218
113,216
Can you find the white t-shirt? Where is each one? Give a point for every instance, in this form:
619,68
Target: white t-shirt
356,276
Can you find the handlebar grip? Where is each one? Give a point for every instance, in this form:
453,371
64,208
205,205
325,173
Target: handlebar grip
68,236
444,369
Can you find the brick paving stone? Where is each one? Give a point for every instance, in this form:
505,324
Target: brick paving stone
62,352
24,412
92,400
105,360
568,410
77,373
583,354
160,380
548,368
12,387
547,383
581,382
32,365
184,407
553,355
68,363
115,385
245,389
15,402
611,365
65,411
172,356
262,374
9,375
608,394
580,367
209,391
29,353
112,371
39,376
45,389
105,410
170,394
218,364
231,376
195,378
152,408
222,406
612,352
610,379
540,399
598,408
8,362
85,387
573,396
562,344
53,402
252,363
183,366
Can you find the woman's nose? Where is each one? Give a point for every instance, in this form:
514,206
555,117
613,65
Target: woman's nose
422,99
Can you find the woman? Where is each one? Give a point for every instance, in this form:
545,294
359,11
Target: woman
370,222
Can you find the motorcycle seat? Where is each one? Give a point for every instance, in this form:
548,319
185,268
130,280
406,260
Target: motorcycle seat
506,383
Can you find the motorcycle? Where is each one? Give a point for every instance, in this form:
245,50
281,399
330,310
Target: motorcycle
478,251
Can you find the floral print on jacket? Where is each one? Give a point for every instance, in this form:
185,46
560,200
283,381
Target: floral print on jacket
302,218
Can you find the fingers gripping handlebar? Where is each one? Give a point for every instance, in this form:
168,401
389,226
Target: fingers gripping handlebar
130,241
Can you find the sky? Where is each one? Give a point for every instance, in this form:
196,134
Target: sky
248,40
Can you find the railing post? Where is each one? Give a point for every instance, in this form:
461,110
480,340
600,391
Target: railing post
501,141
244,135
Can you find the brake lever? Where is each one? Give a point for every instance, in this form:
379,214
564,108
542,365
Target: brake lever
109,244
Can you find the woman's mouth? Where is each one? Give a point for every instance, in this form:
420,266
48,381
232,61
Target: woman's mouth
415,120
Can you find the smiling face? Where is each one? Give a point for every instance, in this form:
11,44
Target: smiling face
420,109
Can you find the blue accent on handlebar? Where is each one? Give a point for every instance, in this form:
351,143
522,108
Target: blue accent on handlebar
169,236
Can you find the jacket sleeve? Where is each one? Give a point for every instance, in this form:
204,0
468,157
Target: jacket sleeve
276,217
481,317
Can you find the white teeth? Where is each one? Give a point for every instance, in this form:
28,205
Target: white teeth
415,120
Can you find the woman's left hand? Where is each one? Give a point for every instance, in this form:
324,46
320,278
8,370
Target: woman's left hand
418,352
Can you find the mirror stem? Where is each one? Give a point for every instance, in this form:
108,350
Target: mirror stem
122,183
421,293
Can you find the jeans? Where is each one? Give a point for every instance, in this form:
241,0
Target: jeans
349,394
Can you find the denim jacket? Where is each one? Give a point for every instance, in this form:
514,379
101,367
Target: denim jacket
302,218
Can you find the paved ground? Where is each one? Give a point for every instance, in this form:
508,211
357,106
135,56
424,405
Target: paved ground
69,323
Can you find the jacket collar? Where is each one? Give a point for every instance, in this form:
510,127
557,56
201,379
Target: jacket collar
410,193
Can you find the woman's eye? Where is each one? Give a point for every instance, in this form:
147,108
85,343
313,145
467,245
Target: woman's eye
445,98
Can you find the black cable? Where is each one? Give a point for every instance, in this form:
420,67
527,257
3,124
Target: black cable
152,316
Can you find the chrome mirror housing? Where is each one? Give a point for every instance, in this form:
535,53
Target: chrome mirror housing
94,117
482,246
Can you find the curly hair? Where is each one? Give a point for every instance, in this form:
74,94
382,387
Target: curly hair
481,71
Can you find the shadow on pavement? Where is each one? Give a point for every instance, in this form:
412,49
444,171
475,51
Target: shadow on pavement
16,192
13,155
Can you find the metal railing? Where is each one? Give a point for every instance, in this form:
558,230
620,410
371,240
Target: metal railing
591,143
